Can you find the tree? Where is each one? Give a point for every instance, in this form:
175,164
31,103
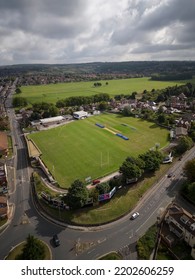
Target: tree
185,143
33,249
138,161
53,111
133,95
127,111
161,118
103,188
130,170
103,106
4,123
19,101
18,90
77,195
189,169
191,191
152,160
94,194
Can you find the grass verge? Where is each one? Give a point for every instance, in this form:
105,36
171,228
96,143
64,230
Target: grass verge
123,202
18,250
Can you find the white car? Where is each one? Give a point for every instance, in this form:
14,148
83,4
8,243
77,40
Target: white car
134,215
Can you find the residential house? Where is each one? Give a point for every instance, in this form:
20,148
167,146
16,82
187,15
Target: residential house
3,143
180,131
178,102
3,175
181,225
3,207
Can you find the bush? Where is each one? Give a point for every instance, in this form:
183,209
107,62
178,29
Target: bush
146,243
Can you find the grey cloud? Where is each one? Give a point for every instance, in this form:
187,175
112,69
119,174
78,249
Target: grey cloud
169,12
95,30
177,16
47,18
58,7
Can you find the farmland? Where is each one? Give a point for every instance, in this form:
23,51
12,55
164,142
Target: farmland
80,149
54,92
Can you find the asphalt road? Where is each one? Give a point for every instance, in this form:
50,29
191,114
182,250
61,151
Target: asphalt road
86,243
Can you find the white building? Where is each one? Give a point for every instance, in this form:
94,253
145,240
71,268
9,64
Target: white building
51,120
79,115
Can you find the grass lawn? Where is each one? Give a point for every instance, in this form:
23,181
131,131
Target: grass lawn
81,149
53,92
2,222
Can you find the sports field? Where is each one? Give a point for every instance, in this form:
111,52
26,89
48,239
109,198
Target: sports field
81,149
54,92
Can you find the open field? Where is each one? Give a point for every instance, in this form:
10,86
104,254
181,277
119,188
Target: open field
53,92
81,149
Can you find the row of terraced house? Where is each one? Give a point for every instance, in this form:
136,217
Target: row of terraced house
3,176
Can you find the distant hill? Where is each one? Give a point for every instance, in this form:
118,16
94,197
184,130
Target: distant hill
141,68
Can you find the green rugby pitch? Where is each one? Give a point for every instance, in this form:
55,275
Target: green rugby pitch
80,149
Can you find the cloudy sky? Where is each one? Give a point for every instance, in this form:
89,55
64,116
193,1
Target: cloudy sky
71,31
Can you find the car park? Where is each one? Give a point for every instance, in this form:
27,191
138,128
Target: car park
56,240
135,215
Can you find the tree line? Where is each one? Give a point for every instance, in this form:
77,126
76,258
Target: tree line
171,76
82,100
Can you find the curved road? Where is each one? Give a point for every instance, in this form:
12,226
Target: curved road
119,235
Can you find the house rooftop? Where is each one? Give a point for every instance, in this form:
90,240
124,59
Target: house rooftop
182,217
3,141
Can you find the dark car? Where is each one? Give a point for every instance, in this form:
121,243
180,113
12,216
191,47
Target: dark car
170,175
56,240
95,182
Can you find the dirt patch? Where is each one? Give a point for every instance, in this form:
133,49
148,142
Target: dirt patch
33,150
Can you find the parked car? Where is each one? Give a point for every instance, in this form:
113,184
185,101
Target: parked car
56,240
134,215
95,182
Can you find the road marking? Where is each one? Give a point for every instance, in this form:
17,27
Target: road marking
157,196
131,234
179,181
162,190
152,203
103,240
144,222
90,251
167,202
